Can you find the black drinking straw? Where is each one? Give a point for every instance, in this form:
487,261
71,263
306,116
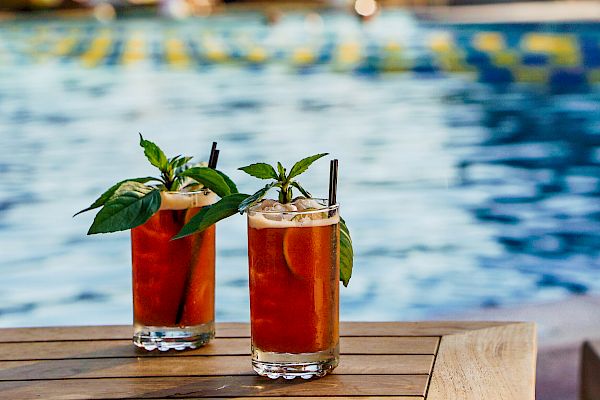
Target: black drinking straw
333,175
212,163
215,159
214,155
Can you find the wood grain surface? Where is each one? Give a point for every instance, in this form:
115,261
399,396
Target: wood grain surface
194,366
217,386
221,346
492,363
237,329
403,360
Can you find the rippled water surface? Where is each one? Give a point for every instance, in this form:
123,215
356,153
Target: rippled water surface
458,195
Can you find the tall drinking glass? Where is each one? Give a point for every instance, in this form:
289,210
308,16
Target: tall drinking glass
173,280
294,262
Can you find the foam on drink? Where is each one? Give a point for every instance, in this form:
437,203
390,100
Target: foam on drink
186,200
301,213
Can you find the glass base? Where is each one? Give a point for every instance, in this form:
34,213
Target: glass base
166,338
290,366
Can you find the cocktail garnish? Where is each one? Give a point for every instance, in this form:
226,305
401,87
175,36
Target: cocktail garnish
346,253
131,202
285,183
295,247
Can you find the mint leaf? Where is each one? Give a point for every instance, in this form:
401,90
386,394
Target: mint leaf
99,202
255,198
131,205
301,189
208,215
281,171
303,165
232,187
260,170
209,178
346,253
154,154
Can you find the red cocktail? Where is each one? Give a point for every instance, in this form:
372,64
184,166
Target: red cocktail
173,280
294,289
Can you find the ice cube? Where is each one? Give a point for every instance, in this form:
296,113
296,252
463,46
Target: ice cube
272,206
289,207
263,205
267,203
277,207
307,204
273,216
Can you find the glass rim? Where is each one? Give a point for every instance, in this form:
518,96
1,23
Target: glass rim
332,207
204,191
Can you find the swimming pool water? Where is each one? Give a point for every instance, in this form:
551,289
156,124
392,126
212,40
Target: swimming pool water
458,194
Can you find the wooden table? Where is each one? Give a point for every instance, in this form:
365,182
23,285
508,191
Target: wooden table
424,360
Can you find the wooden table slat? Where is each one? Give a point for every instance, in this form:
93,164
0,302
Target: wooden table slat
206,366
219,346
488,362
219,386
312,398
235,329
102,332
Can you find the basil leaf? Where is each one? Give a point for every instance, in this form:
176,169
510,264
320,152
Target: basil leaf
346,253
255,198
260,170
301,189
232,187
154,154
99,202
131,205
209,178
178,162
303,165
281,171
208,215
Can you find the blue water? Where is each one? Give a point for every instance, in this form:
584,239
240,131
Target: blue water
459,195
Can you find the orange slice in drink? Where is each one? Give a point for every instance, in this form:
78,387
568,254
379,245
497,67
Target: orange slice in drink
301,248
294,248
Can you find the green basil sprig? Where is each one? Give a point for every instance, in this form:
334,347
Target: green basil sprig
209,215
130,202
131,205
346,253
285,182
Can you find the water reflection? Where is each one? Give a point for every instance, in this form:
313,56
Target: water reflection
459,194
537,161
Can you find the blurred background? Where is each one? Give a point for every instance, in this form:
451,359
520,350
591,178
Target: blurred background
468,136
